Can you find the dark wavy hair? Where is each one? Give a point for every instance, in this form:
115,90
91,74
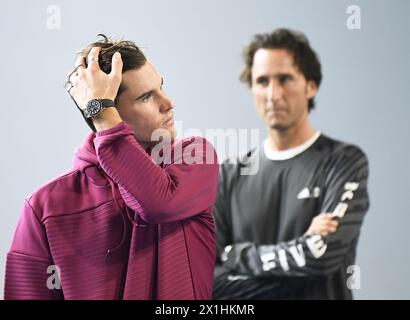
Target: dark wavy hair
296,43
132,57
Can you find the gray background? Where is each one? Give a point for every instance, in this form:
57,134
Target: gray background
196,45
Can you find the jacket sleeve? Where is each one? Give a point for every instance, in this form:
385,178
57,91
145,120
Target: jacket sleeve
184,187
345,195
28,262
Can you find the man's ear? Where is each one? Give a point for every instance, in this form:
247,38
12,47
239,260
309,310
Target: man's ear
311,89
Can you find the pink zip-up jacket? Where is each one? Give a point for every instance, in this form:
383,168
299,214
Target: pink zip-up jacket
119,226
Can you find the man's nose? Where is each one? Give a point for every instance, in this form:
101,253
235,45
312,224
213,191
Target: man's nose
275,91
166,103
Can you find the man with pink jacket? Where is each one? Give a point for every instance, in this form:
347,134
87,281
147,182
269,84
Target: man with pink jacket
122,224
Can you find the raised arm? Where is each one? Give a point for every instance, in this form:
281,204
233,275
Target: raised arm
159,194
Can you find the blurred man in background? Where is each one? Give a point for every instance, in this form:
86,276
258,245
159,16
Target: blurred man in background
291,230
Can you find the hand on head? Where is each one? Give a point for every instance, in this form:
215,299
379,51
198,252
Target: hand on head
90,82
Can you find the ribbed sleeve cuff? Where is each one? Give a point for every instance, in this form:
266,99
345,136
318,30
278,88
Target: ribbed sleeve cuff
119,127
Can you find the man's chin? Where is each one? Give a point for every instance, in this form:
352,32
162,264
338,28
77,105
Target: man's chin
278,126
166,135
171,135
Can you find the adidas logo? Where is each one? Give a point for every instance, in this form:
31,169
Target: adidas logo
305,193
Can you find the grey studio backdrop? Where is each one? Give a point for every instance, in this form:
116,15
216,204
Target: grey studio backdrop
197,46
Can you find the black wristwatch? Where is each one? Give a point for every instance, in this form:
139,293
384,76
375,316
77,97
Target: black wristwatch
95,106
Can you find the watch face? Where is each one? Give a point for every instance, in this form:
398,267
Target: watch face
93,108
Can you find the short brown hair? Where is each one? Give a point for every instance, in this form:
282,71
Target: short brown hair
296,43
132,57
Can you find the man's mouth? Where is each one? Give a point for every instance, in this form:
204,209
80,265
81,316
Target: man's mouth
168,121
275,110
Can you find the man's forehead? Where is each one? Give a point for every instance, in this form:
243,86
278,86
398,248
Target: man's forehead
273,61
144,79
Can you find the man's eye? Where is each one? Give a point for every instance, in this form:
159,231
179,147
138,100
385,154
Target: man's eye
284,79
146,98
262,81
